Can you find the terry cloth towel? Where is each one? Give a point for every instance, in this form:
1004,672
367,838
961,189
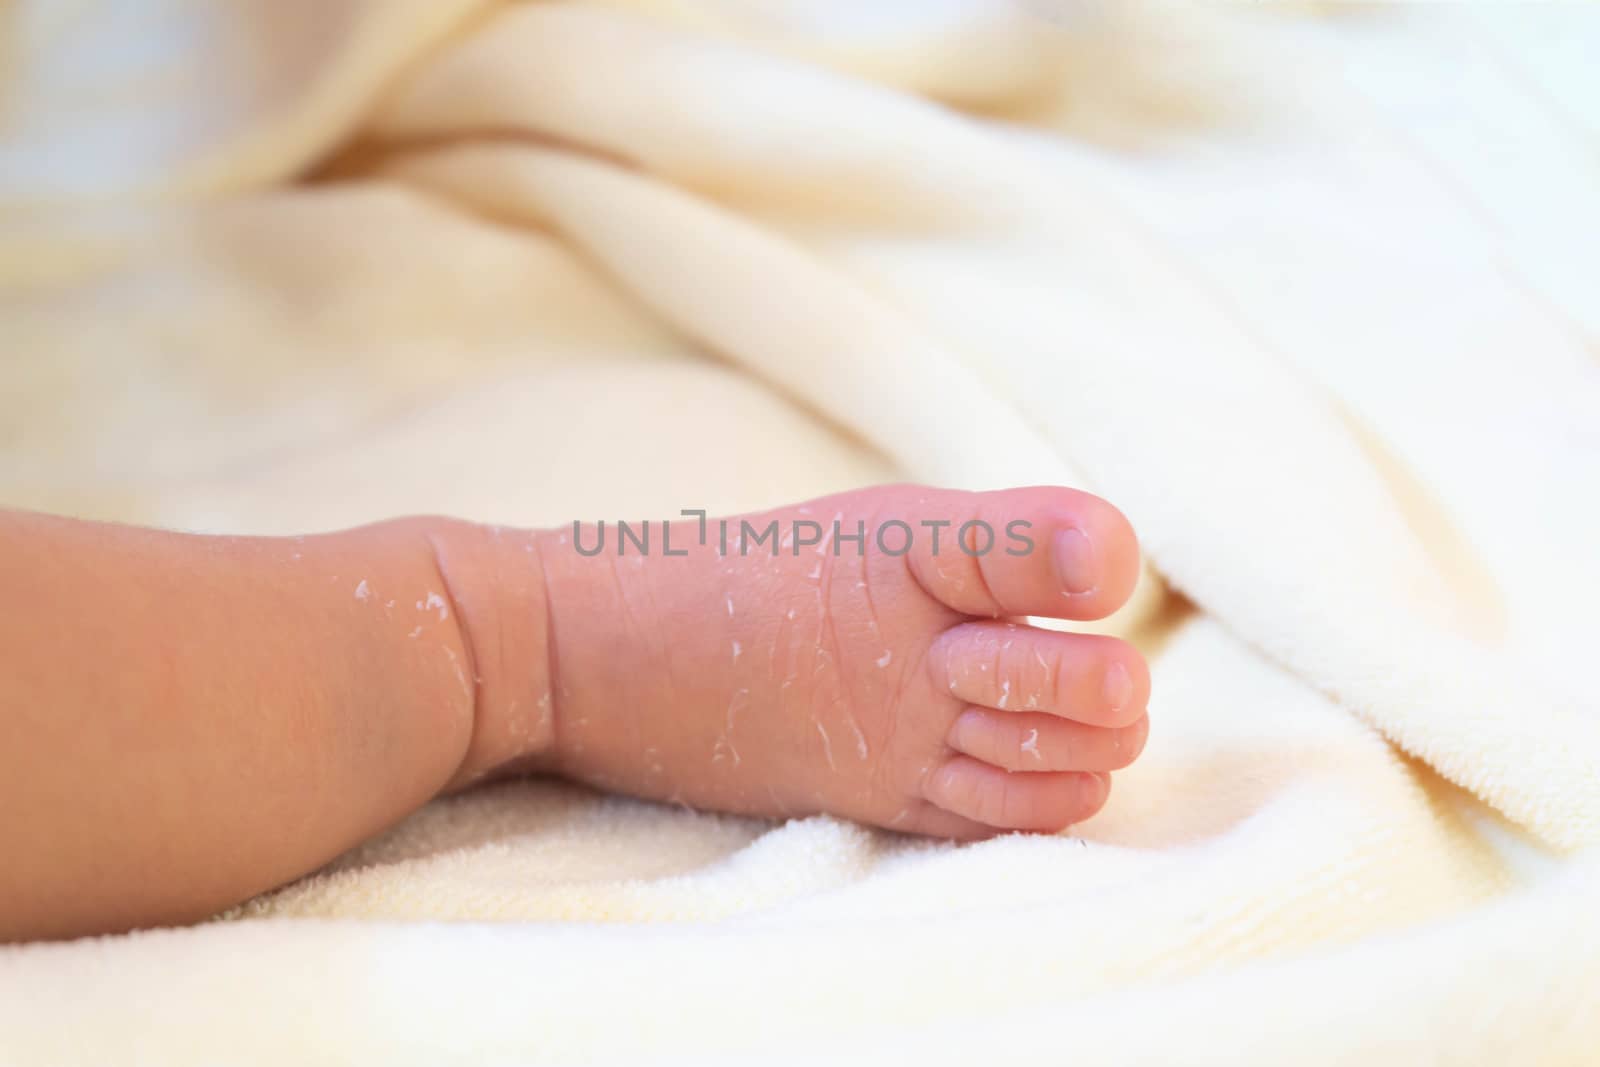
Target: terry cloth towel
1310,294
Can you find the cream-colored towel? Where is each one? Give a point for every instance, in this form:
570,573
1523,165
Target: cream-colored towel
1311,296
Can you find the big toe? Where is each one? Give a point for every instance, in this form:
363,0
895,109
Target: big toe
1044,551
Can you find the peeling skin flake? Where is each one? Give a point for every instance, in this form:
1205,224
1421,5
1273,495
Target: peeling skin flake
461,676
827,745
862,752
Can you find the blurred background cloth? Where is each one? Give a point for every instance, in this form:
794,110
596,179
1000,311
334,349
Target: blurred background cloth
1309,292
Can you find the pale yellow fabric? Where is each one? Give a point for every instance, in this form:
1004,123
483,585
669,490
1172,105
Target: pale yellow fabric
1309,293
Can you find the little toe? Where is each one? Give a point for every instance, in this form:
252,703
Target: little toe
1094,679
1046,801
1043,551
1030,741
930,820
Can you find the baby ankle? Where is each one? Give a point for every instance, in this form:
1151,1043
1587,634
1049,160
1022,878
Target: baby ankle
495,576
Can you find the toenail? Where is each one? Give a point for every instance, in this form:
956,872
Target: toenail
967,729
1118,687
1075,561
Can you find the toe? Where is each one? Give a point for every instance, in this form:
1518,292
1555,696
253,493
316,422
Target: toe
1016,801
1049,552
1029,741
929,820
1098,680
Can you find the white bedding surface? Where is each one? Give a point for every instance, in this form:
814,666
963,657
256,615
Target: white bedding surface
1310,293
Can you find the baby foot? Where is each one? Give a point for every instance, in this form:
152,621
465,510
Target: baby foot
854,655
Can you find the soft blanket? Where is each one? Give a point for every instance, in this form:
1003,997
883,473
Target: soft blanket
1310,294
